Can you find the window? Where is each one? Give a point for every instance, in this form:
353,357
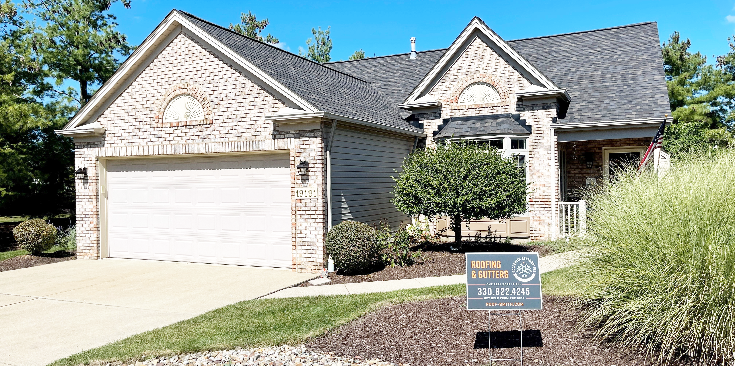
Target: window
509,147
183,108
619,158
479,93
518,144
520,162
498,144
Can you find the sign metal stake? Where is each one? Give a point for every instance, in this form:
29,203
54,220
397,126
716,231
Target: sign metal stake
489,341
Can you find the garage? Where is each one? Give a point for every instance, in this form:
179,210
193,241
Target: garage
227,209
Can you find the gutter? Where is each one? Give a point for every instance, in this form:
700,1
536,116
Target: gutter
642,122
329,175
307,116
94,129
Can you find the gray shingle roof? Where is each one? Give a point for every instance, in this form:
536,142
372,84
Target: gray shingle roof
493,124
394,75
327,89
611,74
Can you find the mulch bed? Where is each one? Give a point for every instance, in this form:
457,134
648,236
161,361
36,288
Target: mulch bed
443,332
25,261
436,260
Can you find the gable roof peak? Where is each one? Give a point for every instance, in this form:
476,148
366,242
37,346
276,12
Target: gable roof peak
474,30
186,14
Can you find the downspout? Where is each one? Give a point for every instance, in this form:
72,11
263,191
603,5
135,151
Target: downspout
329,174
554,205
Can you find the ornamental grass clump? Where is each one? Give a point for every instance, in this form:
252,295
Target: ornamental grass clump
661,274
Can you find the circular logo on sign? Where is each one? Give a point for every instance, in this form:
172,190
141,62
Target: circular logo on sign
524,269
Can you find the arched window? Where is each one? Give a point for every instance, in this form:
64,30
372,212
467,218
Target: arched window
479,93
183,108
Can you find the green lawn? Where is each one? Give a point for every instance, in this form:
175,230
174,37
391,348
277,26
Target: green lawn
562,282
255,323
270,322
5,219
11,254
19,252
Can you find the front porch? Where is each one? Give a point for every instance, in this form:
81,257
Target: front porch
582,166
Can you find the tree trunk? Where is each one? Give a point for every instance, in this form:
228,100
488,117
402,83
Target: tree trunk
457,228
83,93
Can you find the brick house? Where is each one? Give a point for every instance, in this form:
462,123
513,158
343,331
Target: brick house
207,146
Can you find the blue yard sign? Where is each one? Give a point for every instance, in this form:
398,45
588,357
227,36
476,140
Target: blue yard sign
503,281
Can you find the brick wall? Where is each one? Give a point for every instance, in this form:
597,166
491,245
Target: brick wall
576,155
309,216
234,121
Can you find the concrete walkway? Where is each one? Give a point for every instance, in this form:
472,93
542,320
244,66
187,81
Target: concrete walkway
546,264
56,310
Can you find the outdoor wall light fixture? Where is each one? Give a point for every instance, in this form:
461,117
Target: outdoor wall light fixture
303,167
81,173
589,159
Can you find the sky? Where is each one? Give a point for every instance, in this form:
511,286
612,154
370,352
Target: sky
385,27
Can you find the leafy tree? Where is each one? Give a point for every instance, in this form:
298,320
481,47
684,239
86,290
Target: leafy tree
701,96
320,46
35,163
358,55
251,27
79,41
461,180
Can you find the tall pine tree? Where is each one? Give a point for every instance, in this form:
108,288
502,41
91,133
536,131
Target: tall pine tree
701,97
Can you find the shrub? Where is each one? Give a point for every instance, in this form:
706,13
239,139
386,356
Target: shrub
354,247
35,235
397,247
67,241
661,276
464,181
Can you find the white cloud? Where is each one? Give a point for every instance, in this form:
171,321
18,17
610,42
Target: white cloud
730,18
281,45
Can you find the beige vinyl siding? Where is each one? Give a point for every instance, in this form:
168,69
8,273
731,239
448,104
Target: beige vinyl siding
362,166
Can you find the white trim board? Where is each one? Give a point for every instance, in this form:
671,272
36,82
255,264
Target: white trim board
478,29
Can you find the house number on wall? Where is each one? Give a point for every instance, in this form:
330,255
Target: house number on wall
306,192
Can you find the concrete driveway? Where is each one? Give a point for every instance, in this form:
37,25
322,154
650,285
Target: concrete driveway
56,310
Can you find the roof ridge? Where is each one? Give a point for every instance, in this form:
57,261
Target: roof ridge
509,40
384,56
584,31
270,45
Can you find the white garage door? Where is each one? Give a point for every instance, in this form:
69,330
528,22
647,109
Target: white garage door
231,210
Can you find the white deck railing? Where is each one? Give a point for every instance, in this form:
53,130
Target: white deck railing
572,218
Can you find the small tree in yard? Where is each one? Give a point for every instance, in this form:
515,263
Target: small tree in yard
464,181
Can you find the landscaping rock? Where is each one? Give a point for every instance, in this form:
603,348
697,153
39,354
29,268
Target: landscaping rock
266,356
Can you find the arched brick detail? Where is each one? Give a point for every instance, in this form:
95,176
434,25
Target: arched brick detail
478,78
180,89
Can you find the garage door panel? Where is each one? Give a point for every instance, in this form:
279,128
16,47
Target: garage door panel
233,210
